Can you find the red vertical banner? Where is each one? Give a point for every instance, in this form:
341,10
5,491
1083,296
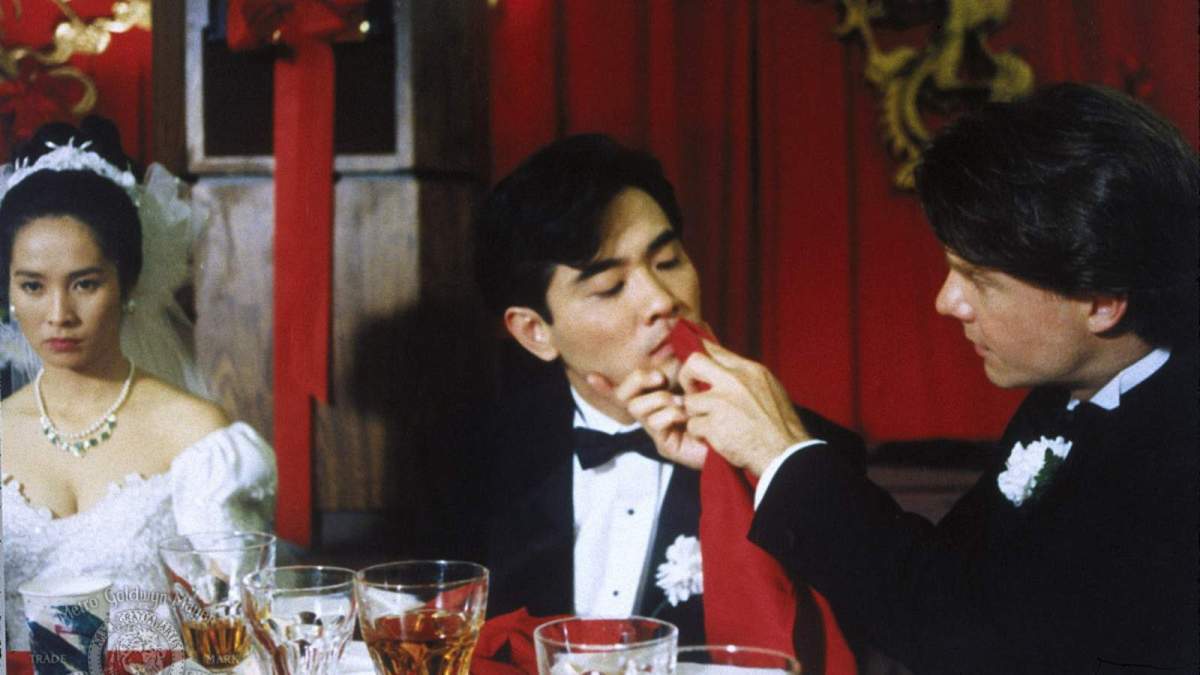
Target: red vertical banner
303,293
303,269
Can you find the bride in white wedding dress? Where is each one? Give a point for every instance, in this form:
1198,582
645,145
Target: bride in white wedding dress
101,458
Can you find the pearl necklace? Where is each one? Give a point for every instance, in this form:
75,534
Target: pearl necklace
79,442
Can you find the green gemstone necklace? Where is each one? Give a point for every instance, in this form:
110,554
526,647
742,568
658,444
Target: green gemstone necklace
79,442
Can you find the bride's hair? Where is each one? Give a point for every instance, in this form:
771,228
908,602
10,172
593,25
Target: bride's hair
85,195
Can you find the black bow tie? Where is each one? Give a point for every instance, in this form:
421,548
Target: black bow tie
596,447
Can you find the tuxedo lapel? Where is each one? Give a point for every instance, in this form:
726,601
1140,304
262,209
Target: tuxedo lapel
532,540
1042,414
679,516
532,546
1079,427
532,530
1093,433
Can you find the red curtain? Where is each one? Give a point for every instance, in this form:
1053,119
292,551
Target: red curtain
767,127
121,73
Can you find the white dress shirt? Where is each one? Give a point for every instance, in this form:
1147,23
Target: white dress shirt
1108,397
616,511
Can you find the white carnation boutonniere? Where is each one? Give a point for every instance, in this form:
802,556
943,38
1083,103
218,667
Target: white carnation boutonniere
1030,467
682,575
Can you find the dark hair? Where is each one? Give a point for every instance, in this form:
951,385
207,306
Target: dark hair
548,212
84,195
1079,190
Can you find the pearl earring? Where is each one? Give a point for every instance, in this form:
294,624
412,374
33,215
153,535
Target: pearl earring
12,311
129,306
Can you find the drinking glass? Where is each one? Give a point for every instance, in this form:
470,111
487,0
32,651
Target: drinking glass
302,615
421,617
605,646
204,575
734,660
66,618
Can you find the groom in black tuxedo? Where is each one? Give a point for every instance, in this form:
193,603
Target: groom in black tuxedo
1069,222
579,252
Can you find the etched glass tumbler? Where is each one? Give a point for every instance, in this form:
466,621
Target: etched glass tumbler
301,615
602,646
204,575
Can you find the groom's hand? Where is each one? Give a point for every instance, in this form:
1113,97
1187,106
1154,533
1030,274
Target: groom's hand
647,397
744,412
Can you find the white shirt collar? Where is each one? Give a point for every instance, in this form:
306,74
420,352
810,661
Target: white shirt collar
588,417
1109,396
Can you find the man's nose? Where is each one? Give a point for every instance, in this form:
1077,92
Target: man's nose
951,301
657,298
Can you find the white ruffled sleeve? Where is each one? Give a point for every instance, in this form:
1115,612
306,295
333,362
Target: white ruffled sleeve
226,481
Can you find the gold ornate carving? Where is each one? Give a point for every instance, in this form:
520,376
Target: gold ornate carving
76,36
908,77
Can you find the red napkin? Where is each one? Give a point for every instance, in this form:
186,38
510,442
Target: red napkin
505,645
748,597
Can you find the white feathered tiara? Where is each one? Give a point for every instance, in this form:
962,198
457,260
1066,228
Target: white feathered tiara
69,157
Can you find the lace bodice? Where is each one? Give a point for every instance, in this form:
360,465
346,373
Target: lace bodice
225,481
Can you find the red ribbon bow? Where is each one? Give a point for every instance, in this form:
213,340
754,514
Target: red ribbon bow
256,23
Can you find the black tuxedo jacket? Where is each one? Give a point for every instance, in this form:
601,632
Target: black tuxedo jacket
531,531
1098,573
531,536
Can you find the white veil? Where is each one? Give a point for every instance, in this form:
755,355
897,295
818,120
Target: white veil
156,334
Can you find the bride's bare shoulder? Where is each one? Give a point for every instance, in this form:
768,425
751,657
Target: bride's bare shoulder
19,415
20,401
185,416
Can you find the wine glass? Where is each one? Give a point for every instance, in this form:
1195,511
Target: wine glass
423,616
302,615
605,646
204,575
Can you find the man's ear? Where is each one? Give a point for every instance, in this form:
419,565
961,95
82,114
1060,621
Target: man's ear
1106,312
531,330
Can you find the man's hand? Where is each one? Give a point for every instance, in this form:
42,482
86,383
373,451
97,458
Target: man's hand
646,396
745,414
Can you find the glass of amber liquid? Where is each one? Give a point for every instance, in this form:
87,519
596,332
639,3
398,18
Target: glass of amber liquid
204,576
421,617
